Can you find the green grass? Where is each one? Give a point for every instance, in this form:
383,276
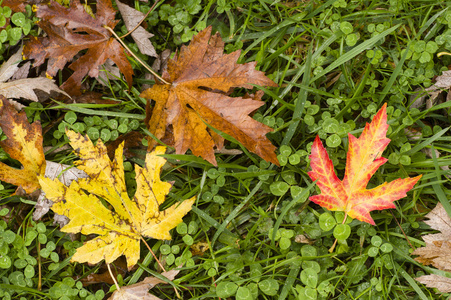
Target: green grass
253,234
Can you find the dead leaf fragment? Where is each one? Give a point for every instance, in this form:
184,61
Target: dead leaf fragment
131,139
438,249
23,88
140,290
23,143
442,83
15,5
70,30
443,284
131,18
201,77
66,174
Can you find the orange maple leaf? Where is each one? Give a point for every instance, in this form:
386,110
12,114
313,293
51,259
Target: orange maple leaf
70,30
363,159
201,76
23,143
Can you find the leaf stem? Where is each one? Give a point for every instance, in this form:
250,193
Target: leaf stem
159,263
39,267
136,57
153,254
142,20
402,230
112,277
443,53
336,240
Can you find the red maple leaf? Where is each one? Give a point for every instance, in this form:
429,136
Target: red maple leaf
364,158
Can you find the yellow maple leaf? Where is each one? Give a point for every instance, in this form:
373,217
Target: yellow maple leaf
120,230
23,143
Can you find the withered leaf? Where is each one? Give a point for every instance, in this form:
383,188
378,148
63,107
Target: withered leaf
438,249
23,88
15,5
140,290
201,77
70,30
141,36
66,174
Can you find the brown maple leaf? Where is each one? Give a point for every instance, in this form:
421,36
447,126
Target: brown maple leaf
201,76
437,250
70,30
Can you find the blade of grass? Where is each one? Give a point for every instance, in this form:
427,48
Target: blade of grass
302,98
411,281
354,52
235,212
426,142
286,209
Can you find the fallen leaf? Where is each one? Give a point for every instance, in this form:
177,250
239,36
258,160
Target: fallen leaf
131,139
200,78
438,249
23,143
160,63
15,5
443,284
363,159
119,231
70,30
22,72
108,71
131,18
93,98
119,266
23,88
140,290
442,84
66,174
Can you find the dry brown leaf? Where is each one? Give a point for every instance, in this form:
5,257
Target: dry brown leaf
22,72
15,5
442,83
94,98
23,88
201,77
70,30
160,63
131,139
108,71
140,290
119,266
443,284
66,174
141,36
438,249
